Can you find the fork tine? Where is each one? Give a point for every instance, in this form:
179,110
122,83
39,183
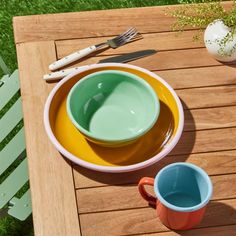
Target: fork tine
128,32
134,32
135,38
130,35
123,38
125,33
127,37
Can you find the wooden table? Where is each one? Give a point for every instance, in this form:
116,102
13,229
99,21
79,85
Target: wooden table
70,200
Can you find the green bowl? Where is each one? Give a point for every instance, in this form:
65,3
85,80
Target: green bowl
112,108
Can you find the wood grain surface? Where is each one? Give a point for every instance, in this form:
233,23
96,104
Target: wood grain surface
212,231
74,25
144,220
108,22
69,199
168,60
175,41
51,179
224,188
215,163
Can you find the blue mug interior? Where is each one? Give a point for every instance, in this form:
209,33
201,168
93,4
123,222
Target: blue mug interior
183,187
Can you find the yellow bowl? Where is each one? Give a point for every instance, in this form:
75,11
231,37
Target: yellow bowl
150,148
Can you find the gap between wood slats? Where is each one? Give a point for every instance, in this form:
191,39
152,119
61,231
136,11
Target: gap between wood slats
210,129
209,86
195,67
220,150
76,200
206,108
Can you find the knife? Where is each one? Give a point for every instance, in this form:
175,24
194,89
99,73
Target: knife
118,59
129,56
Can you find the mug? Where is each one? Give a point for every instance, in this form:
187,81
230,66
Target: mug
182,192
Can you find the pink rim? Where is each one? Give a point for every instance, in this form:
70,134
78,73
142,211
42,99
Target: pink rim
112,169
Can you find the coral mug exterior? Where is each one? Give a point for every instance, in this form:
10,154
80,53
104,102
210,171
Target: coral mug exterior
182,192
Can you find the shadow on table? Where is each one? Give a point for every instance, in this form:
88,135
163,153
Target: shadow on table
179,154
217,214
230,64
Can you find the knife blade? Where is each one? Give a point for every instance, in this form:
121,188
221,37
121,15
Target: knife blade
118,59
128,56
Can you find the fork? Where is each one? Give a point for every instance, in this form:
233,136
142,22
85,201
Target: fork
116,42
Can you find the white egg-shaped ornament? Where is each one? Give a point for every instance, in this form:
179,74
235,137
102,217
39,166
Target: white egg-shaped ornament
220,41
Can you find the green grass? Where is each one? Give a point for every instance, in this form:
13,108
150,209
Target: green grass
9,8
11,227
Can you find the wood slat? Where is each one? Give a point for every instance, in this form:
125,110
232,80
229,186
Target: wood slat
81,25
166,60
219,117
206,141
208,97
141,221
199,77
212,231
51,180
214,163
155,41
128,197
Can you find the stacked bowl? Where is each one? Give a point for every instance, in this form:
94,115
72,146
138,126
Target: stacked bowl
113,117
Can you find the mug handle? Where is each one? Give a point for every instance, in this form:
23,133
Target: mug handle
147,196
